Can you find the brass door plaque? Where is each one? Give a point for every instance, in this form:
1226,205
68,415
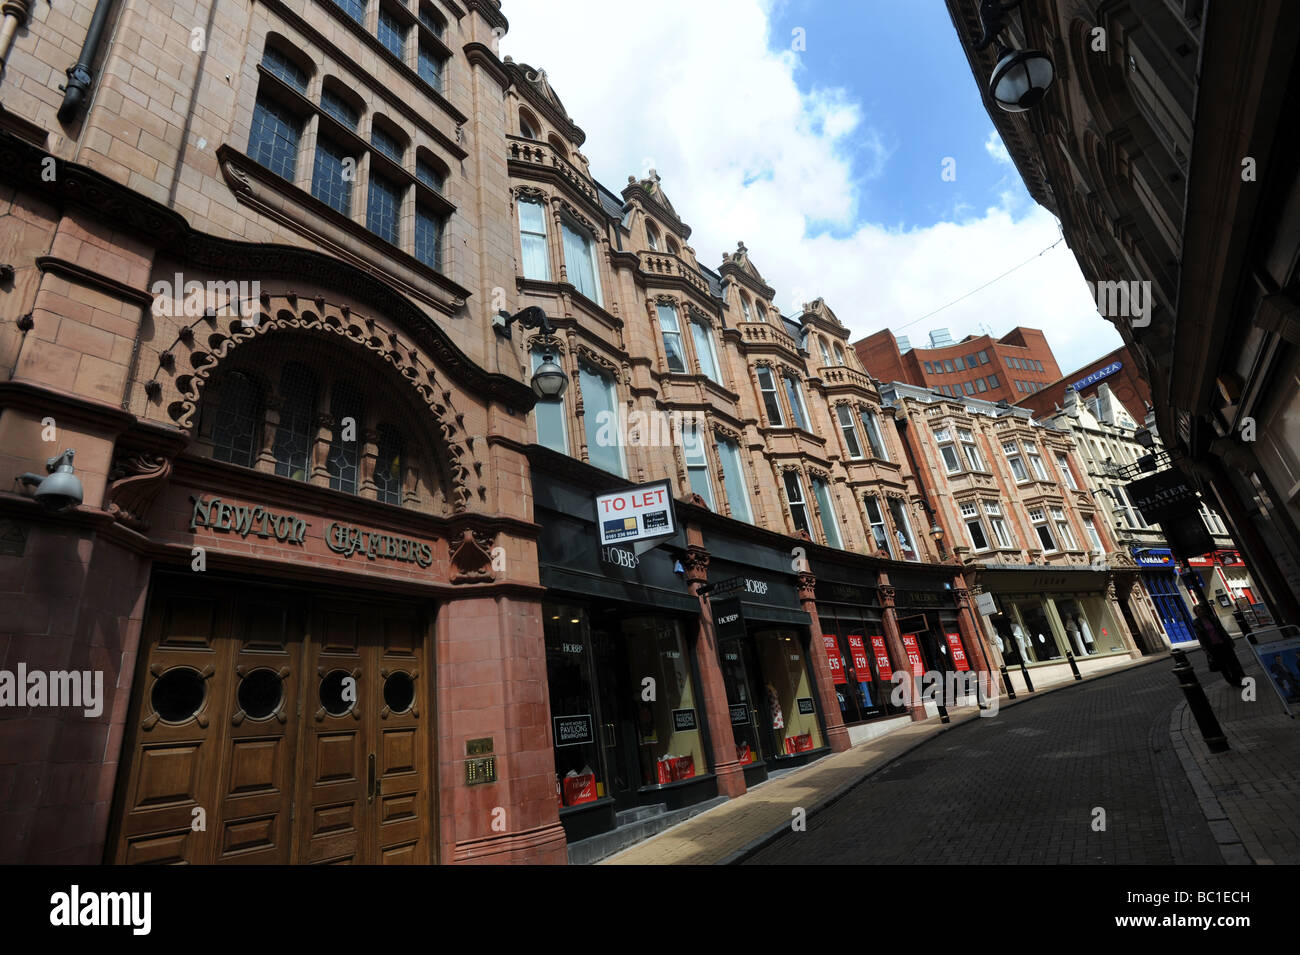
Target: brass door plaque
480,769
478,747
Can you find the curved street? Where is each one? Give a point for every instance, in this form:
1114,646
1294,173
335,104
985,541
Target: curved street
1027,785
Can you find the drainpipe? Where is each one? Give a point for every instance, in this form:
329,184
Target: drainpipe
79,75
15,15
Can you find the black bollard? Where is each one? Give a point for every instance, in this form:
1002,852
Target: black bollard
1069,656
1211,732
1006,682
1024,671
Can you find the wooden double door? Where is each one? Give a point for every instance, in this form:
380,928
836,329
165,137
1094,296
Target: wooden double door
277,726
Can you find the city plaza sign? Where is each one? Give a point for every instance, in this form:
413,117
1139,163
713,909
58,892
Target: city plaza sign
1101,373
255,520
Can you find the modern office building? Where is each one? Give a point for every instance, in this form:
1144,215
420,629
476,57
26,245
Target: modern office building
1018,364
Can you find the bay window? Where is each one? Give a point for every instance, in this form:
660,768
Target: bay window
580,260
771,403
794,497
993,511
1017,463
797,409
532,240
672,334
733,473
550,415
600,417
876,521
1039,520
705,351
875,437
973,460
845,416
1067,474
970,514
1063,529
830,523
903,530
697,463
948,451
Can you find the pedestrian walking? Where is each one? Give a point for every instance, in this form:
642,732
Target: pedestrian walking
1218,645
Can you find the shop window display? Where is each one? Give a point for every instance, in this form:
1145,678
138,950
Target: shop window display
574,719
1033,632
669,725
789,708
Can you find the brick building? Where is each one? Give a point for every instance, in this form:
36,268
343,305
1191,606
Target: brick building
1010,496
1009,368
339,574
1117,369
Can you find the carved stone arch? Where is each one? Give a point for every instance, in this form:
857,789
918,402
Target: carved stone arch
545,342
813,471
727,433
210,340
672,300
581,218
530,193
591,356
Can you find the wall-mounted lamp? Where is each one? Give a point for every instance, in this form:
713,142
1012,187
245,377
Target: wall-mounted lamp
1021,78
61,488
549,380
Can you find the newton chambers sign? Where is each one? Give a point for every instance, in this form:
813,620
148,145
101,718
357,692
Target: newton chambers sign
258,521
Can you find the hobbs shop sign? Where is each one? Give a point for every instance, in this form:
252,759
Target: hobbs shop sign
636,514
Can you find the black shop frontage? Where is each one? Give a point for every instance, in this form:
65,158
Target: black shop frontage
621,629
765,649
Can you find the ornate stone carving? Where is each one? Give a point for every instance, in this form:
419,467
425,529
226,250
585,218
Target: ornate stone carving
461,470
807,586
471,559
696,564
134,482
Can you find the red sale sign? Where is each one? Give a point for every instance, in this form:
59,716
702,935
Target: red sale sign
958,654
858,651
913,654
836,661
883,668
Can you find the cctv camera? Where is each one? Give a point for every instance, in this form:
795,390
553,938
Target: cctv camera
59,491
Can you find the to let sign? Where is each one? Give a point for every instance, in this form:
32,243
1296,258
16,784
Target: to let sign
640,513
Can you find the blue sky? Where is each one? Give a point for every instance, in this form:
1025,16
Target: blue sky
825,161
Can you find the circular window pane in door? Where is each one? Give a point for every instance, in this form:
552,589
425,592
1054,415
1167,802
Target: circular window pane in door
338,692
260,693
399,691
177,695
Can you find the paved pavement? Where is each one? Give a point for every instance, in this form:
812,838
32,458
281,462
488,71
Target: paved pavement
1250,794
1034,785
1025,786
740,825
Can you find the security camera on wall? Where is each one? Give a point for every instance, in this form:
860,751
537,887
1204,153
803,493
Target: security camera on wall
60,490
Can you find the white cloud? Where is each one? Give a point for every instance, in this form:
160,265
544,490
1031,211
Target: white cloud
693,90
995,148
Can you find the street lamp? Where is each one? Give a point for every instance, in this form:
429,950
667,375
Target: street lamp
549,380
936,532
1021,78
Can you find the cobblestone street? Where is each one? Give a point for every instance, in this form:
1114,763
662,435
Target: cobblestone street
1025,786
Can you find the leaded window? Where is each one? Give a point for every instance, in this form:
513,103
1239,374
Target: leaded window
295,432
239,414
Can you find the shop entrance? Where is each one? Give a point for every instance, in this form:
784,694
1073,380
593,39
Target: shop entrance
276,726
620,710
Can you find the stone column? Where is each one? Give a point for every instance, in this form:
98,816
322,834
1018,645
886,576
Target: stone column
894,640
837,734
1117,616
722,746
972,634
